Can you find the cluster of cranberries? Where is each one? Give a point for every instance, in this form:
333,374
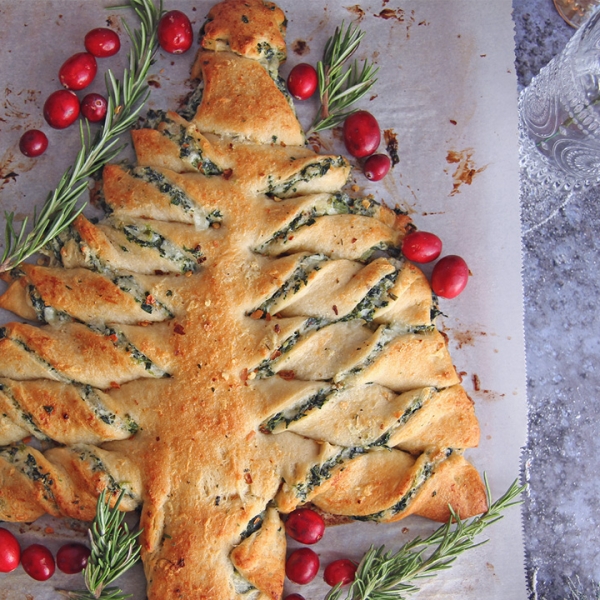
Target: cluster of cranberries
37,560
63,107
362,134
302,565
450,274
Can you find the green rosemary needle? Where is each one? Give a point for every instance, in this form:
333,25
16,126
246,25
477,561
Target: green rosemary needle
340,87
384,575
125,101
114,551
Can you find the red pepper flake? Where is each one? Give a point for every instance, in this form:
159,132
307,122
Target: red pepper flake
335,309
27,439
276,354
287,375
179,329
114,385
257,314
113,337
248,478
244,375
150,299
354,240
476,382
227,173
277,328
268,316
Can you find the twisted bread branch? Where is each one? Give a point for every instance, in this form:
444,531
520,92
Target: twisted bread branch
121,245
63,481
55,295
119,353
399,361
64,413
169,143
371,415
383,291
258,556
378,484
388,486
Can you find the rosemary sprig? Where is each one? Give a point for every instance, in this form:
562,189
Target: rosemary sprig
114,551
339,87
385,575
125,101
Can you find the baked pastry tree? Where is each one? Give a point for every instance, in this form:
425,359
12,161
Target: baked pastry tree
237,337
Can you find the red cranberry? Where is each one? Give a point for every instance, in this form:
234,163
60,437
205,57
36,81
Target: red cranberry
302,565
33,143
175,33
61,109
93,107
102,42
377,166
340,571
305,526
38,562
10,551
72,558
78,71
302,81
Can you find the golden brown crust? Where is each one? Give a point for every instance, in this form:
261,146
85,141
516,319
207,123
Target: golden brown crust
457,484
256,168
258,557
241,99
251,28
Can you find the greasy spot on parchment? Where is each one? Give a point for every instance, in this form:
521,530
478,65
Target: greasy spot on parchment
466,337
300,47
356,10
317,143
8,169
400,16
492,395
114,22
390,13
15,103
391,145
486,394
465,168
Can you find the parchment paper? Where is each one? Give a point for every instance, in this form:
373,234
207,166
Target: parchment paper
447,90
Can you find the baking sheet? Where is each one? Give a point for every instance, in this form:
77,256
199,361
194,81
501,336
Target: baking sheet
447,90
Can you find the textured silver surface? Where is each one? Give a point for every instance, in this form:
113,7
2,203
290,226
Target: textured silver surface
562,329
